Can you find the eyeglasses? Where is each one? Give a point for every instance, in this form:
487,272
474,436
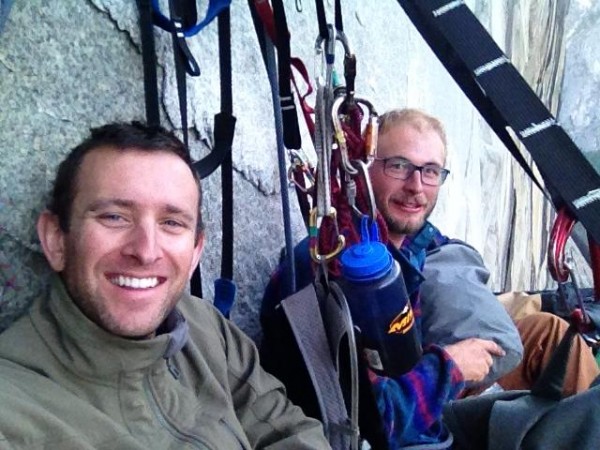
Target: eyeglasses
402,169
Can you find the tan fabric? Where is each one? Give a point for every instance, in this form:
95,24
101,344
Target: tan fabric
541,332
521,304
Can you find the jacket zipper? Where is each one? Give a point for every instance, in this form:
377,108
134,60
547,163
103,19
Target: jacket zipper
196,442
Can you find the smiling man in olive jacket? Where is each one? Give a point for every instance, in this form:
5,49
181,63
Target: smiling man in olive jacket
116,355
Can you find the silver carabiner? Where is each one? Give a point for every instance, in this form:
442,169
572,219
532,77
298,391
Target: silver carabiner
340,137
372,212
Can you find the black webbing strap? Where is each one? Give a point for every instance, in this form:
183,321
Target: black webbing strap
291,130
224,132
224,129
149,62
304,316
184,61
322,18
465,80
505,99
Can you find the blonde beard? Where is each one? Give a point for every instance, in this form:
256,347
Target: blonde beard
401,228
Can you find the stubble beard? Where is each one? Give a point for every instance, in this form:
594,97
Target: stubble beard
405,227
94,306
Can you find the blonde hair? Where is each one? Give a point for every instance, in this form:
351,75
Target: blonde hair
414,118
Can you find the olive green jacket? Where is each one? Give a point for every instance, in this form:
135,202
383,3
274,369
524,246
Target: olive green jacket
67,384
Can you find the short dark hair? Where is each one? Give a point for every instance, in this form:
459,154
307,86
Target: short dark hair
122,137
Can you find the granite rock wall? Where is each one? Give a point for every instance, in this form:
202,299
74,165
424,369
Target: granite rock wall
66,66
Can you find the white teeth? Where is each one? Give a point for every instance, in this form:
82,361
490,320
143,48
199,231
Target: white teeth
135,283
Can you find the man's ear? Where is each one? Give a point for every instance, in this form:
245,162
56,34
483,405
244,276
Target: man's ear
197,253
52,240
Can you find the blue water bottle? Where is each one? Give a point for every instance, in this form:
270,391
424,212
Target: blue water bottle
374,288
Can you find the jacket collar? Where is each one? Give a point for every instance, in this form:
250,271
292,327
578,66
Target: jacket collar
82,345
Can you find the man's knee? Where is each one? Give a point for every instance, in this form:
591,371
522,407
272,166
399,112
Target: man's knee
541,326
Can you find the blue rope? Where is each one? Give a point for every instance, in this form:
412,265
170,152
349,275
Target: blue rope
283,181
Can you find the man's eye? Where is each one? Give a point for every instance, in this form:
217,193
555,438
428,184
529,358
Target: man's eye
112,220
111,217
398,165
433,171
173,223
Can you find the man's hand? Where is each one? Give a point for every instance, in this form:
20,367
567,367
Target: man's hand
474,357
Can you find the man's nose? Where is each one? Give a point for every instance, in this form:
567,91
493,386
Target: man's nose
144,244
414,182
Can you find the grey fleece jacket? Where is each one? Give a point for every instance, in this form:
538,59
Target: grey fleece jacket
67,384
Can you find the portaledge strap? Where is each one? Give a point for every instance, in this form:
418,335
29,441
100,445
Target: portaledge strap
224,129
504,99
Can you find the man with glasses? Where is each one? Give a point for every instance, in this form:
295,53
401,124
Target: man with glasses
455,300
406,178
469,340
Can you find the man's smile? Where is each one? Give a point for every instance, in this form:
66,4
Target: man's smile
413,206
135,282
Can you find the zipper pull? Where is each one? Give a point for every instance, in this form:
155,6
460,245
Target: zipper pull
173,370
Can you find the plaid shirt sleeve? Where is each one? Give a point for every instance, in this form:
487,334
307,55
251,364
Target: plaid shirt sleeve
411,405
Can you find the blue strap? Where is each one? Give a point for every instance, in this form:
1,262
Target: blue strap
224,295
214,8
4,10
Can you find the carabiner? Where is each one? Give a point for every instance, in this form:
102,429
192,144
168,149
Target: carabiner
363,169
349,66
561,230
371,131
314,225
299,163
340,136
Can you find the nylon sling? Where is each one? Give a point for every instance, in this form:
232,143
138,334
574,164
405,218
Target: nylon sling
272,32
504,99
183,24
225,288
149,62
